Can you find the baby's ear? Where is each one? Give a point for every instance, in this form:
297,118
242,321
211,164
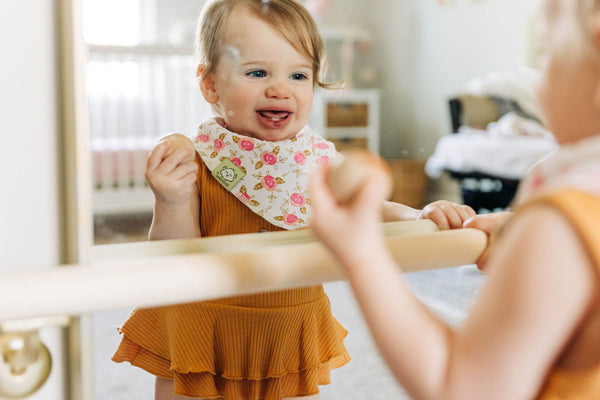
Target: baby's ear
207,85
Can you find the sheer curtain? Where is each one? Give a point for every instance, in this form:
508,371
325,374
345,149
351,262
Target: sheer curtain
140,84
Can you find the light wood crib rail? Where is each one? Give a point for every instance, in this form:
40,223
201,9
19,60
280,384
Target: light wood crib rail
169,272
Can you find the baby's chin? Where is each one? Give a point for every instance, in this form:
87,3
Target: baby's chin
269,135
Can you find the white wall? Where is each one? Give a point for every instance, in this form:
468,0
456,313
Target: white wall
427,52
29,221
28,165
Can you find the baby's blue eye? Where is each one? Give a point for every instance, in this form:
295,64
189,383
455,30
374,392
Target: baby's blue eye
299,77
259,73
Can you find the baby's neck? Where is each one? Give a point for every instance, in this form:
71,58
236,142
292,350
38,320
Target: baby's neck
221,122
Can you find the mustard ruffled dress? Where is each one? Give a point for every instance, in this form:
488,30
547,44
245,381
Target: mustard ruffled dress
261,346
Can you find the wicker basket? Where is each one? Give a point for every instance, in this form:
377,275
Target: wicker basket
410,181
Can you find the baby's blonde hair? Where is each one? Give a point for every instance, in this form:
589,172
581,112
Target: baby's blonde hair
286,17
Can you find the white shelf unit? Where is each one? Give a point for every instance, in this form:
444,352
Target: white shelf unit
348,117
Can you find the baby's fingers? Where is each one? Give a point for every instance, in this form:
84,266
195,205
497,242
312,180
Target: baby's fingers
157,155
174,159
437,216
452,216
465,212
184,169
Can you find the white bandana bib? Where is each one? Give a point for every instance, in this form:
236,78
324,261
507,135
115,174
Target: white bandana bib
268,177
573,166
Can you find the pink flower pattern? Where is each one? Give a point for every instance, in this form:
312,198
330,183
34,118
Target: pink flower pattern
300,158
290,219
244,197
269,183
268,157
297,200
219,145
276,174
537,181
246,144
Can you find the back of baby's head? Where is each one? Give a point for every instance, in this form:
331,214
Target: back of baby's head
286,17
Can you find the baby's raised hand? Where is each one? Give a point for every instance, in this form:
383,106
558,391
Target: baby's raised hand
446,214
171,170
348,219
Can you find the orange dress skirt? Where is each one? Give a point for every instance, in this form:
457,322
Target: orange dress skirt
261,346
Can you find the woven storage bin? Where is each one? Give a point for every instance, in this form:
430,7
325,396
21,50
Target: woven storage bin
410,181
347,115
343,144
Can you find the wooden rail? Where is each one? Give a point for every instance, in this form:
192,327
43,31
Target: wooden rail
169,272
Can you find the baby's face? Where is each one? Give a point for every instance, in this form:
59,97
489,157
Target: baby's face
264,86
570,83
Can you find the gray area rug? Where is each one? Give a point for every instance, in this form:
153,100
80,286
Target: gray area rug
448,292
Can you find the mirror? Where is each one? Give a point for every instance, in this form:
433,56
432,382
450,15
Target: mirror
406,59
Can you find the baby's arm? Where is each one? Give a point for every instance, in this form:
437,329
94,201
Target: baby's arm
352,168
171,173
523,318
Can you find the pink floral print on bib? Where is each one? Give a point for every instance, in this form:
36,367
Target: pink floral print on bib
276,173
573,166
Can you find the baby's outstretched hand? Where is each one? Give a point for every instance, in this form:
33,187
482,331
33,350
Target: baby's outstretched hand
446,214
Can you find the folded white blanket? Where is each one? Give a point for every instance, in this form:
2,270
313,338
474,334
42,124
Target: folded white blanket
501,155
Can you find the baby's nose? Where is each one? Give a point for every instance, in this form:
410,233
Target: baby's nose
278,90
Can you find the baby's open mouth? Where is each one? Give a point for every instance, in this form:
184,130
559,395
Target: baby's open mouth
273,115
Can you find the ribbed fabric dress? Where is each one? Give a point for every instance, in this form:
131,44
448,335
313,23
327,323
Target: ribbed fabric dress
583,211
263,346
